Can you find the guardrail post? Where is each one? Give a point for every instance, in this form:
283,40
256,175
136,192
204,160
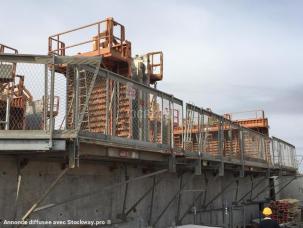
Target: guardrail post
172,157
107,105
241,140
171,109
8,110
220,145
45,100
52,97
162,119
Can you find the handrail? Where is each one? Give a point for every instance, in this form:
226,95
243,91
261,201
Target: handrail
3,47
107,34
219,120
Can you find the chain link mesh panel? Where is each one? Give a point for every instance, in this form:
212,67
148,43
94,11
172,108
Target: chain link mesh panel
284,154
77,95
21,96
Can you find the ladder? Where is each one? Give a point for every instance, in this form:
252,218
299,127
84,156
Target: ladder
83,90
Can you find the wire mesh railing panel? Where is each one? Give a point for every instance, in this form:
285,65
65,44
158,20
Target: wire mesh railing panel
59,99
253,147
67,93
154,118
178,126
21,96
166,122
192,130
284,153
231,140
213,135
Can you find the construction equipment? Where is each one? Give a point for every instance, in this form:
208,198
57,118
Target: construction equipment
119,105
254,119
13,94
123,100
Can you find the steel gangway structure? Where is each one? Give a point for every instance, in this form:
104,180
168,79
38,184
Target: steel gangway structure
94,107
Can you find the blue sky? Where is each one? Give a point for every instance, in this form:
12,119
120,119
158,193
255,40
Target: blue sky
226,55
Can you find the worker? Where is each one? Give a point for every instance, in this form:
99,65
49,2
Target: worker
267,222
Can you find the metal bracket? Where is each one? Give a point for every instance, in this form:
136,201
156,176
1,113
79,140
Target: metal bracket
198,167
172,163
72,149
221,169
268,173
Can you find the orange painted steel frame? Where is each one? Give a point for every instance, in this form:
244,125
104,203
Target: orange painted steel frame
155,69
115,50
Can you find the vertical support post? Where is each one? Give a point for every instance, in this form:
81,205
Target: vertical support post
146,96
172,163
182,122
202,131
107,103
231,217
171,109
172,158
8,109
280,157
114,107
244,216
198,166
198,135
58,45
264,148
51,111
220,145
162,109
225,213
155,114
271,145
241,143
72,147
98,42
45,100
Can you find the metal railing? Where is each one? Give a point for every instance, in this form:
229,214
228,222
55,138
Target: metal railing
246,115
105,34
98,101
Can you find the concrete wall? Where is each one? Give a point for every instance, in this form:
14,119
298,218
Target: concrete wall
37,176
294,190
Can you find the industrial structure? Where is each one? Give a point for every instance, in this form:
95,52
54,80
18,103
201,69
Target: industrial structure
92,130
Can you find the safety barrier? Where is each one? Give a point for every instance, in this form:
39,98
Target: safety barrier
57,93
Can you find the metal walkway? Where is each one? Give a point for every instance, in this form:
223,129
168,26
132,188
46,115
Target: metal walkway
162,128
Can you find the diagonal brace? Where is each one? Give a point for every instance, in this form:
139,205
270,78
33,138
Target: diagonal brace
171,201
99,191
44,195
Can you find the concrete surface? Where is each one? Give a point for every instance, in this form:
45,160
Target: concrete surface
38,175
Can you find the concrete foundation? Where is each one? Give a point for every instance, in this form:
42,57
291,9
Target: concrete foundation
36,176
